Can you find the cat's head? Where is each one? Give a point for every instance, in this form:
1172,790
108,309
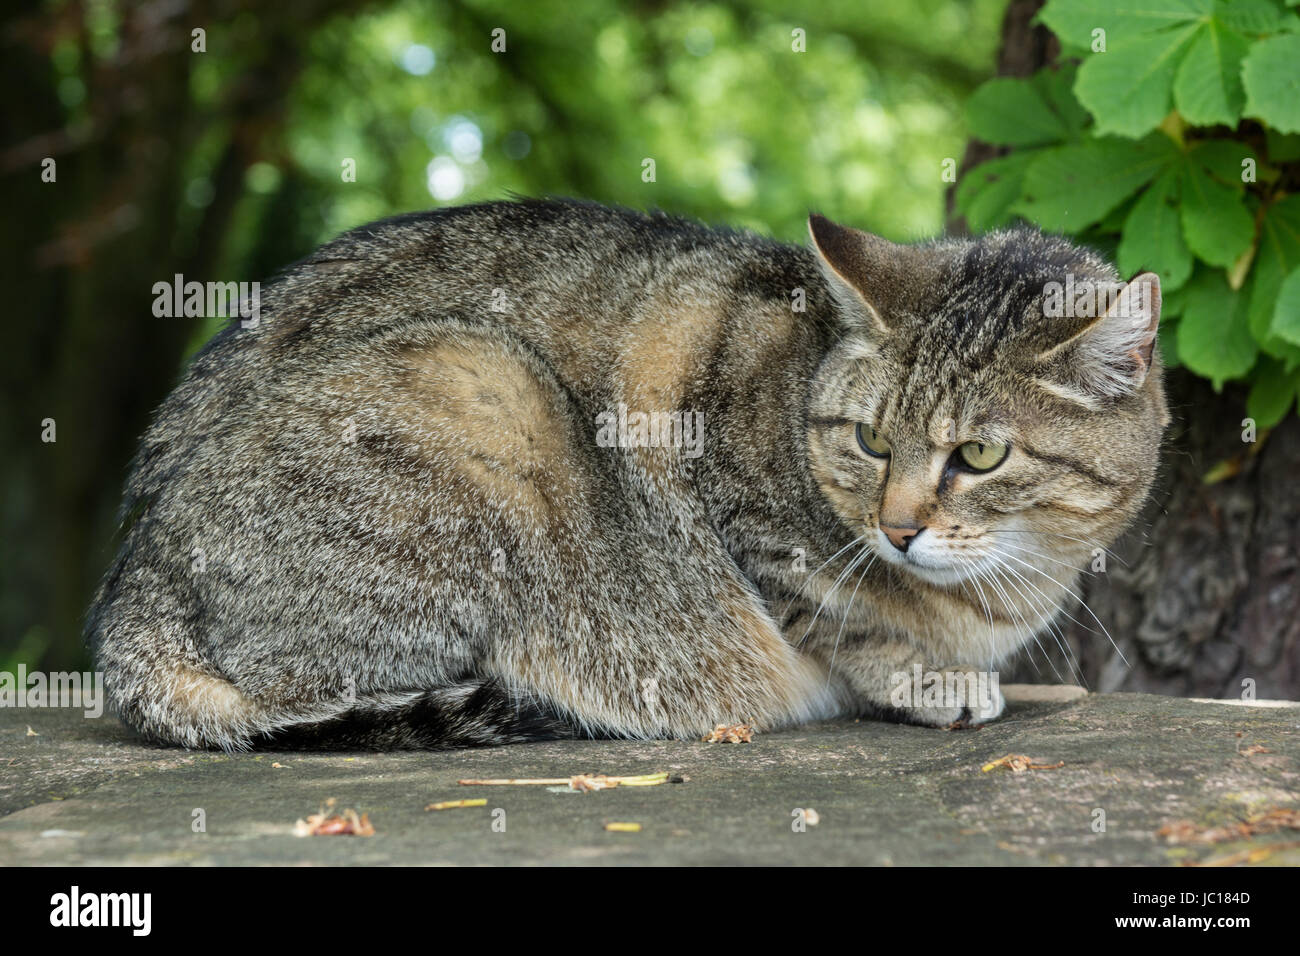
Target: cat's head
989,401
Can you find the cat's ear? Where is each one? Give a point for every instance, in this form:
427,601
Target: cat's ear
1112,355
859,267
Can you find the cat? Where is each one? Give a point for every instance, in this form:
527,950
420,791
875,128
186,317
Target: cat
545,468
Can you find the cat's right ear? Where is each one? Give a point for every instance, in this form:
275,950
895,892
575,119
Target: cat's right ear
858,267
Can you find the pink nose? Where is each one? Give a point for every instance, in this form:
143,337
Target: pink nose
901,538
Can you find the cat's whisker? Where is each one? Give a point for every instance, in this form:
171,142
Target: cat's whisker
1078,598
974,579
988,613
1045,557
1063,642
811,577
848,607
1015,613
1032,631
1049,609
852,566
1057,534
1087,627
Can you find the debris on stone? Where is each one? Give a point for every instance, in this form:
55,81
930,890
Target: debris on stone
1019,763
730,734
581,782
1256,855
1266,821
347,823
457,804
623,827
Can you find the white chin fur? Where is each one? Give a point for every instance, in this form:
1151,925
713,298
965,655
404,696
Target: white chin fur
929,567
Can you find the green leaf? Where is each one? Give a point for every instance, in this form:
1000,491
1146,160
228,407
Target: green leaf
1173,303
1153,236
1074,20
1068,188
1207,89
1057,87
1127,89
1214,339
1272,82
1272,391
1010,112
1278,256
1216,223
1222,158
1286,312
1167,335
986,194
1249,16
1282,149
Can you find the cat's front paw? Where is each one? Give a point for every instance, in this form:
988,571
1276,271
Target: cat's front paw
987,706
953,697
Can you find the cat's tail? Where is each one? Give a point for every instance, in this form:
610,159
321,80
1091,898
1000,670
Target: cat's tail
479,712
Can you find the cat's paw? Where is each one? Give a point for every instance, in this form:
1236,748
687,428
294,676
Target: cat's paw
981,711
960,698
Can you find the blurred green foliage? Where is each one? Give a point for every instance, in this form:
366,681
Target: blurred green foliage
742,129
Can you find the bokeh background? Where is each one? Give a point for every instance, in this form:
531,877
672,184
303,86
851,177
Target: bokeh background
227,164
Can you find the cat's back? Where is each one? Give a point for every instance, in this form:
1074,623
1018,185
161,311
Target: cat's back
574,283
507,257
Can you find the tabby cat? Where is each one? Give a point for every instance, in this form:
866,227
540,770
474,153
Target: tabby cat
539,469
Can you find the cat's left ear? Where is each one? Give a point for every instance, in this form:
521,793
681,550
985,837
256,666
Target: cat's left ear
1112,355
862,270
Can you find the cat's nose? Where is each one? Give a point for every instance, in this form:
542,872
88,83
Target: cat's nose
901,538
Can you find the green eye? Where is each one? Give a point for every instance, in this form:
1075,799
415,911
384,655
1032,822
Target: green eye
871,442
978,456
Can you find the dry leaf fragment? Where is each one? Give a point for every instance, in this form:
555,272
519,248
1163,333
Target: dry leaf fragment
30,732
1256,855
347,823
1266,821
811,817
623,827
1180,831
730,734
277,766
457,804
1019,763
1254,749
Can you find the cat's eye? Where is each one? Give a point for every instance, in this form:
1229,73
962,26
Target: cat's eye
981,456
870,441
